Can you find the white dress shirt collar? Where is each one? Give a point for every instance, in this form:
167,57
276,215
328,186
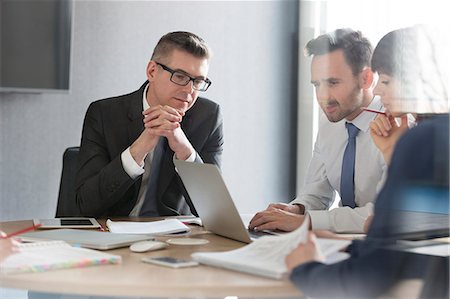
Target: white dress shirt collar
144,98
362,121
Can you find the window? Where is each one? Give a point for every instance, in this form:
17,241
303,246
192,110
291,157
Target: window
374,18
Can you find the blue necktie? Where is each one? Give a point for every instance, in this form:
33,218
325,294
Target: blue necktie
150,205
348,168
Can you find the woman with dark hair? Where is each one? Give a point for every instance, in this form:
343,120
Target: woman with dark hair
412,80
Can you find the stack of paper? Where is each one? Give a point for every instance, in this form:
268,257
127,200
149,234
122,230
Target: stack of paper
266,255
162,227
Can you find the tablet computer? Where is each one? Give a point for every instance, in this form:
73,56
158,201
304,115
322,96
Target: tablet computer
67,222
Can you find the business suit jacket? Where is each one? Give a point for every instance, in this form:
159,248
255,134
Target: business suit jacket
420,157
103,188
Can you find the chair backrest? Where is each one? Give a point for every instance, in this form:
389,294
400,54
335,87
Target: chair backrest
66,199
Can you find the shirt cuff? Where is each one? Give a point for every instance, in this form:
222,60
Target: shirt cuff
130,166
191,158
319,219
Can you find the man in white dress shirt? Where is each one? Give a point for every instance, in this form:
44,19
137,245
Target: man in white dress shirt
343,81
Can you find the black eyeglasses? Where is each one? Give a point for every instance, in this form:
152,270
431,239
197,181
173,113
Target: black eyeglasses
183,79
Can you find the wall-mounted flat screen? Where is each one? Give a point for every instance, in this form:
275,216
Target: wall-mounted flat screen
35,45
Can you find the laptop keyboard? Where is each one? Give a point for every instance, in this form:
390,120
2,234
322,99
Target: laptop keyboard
254,234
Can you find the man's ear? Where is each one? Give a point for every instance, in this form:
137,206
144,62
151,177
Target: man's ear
151,70
366,78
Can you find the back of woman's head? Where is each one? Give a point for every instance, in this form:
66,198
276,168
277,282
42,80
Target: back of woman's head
418,58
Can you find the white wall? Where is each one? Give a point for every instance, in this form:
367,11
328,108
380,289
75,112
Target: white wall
254,79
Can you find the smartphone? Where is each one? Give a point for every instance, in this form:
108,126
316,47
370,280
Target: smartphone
67,222
170,262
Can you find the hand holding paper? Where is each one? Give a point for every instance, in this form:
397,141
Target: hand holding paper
266,255
304,253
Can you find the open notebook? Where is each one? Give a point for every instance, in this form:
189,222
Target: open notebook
54,255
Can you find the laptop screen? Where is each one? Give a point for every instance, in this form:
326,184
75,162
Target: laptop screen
421,212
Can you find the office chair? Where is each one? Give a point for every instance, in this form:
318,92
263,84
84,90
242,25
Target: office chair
66,199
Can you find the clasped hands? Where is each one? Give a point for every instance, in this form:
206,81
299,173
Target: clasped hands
162,121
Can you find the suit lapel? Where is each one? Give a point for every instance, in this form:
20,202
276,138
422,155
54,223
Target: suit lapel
135,107
186,124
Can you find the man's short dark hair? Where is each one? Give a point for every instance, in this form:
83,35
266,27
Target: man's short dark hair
357,49
181,40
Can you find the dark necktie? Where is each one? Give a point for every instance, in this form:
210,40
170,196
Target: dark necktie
348,168
150,206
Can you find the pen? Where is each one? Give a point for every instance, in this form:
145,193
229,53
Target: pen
373,111
20,231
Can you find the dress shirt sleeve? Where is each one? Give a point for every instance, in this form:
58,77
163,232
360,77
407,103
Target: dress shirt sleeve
192,157
383,178
317,192
341,219
129,164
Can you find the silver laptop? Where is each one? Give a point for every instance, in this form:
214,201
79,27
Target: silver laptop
85,238
213,201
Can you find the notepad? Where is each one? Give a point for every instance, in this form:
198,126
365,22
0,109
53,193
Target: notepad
162,227
54,255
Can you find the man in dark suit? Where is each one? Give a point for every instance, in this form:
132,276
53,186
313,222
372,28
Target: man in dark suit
129,142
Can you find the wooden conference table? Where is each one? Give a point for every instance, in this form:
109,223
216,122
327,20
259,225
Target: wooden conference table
135,278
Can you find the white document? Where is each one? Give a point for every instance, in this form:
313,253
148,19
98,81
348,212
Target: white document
162,227
265,256
435,250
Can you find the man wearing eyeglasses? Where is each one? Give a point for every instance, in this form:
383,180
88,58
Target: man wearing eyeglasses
129,142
